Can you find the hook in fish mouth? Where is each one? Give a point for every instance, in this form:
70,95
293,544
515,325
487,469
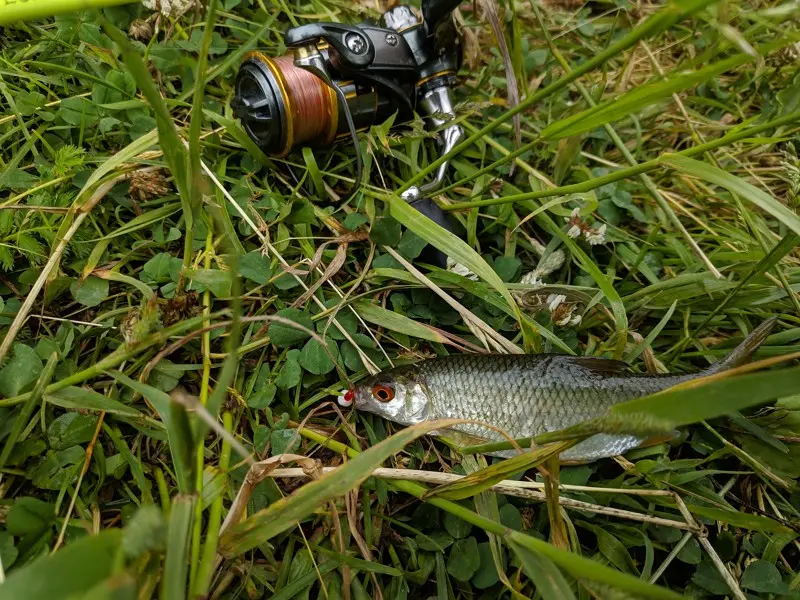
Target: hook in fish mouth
346,399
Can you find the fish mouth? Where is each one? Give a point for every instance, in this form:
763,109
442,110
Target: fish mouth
359,398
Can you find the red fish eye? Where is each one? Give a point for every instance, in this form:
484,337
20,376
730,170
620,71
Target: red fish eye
382,392
349,395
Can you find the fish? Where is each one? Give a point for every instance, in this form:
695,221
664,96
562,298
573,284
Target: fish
524,394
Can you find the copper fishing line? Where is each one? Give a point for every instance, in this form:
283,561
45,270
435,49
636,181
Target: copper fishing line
312,103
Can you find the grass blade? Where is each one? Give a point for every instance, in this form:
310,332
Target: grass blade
549,580
738,519
176,421
574,564
476,482
645,96
27,409
168,138
773,257
12,12
78,398
393,321
666,17
283,515
159,400
127,154
486,505
713,396
358,563
69,573
645,167
293,589
452,246
647,342
147,293
736,186
637,424
176,564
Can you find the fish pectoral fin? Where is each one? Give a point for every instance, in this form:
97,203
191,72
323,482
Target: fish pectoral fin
605,366
459,438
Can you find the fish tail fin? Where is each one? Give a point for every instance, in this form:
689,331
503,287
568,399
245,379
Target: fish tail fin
742,353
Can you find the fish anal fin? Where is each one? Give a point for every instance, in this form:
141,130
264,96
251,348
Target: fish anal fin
459,438
575,462
661,438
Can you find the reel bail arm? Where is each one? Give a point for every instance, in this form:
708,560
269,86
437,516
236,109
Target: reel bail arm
438,105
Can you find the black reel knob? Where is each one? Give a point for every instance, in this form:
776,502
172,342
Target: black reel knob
260,106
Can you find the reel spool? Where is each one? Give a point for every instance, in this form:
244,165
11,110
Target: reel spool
282,105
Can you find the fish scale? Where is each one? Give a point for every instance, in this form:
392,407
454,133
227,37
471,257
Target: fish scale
525,395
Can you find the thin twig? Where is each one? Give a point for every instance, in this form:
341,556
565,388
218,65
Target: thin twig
702,538
671,556
519,489
86,462
723,570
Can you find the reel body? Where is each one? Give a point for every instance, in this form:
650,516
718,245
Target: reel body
342,78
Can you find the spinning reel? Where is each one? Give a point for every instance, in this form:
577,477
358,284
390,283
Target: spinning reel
342,78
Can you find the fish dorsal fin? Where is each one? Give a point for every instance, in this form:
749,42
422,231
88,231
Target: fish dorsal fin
605,366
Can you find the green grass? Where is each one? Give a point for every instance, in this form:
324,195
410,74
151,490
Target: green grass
157,340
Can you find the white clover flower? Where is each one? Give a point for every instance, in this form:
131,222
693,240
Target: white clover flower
574,231
565,320
575,214
169,8
562,316
554,300
596,236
